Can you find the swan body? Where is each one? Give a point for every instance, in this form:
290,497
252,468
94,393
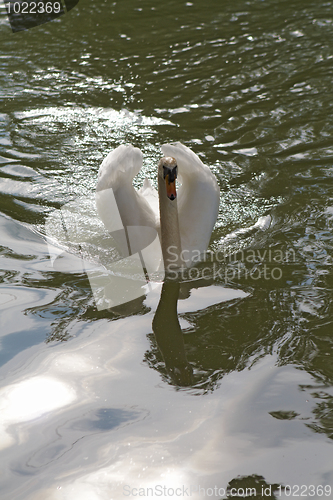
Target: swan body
184,221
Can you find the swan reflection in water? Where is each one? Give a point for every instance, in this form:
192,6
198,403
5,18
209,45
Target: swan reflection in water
169,336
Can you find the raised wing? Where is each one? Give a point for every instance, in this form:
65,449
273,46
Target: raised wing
120,206
198,199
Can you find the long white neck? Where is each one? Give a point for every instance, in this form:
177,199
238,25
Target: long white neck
170,236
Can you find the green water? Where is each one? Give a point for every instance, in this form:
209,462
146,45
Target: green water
94,404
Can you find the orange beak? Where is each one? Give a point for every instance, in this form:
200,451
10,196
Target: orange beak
170,188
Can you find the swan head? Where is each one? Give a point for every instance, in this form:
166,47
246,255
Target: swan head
168,170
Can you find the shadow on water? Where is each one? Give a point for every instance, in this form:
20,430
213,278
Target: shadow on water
252,486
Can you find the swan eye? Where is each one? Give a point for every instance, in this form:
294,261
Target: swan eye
171,173
170,176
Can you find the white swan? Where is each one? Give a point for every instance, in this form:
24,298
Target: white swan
183,221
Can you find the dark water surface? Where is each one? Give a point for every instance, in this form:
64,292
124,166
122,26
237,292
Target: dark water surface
90,407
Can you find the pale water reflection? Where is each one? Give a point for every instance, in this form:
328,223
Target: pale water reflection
151,434
87,419
28,400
